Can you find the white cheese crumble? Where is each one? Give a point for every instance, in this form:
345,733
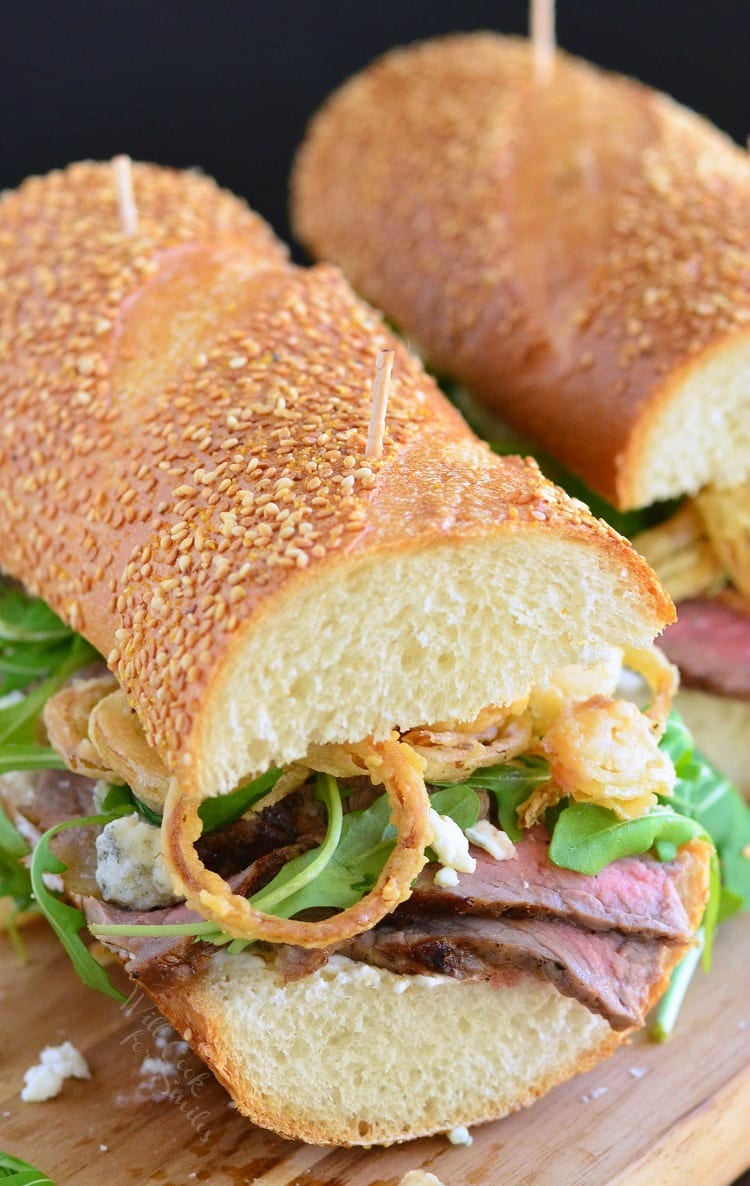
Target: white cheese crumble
56,1063
446,877
493,840
157,1066
99,793
450,844
130,869
460,1136
419,1178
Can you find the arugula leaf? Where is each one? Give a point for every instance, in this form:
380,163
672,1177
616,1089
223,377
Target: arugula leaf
67,921
588,837
708,797
29,757
19,721
225,809
29,619
15,881
312,864
511,784
367,840
14,1172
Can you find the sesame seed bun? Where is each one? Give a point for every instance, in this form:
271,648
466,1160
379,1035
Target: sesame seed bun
575,253
182,477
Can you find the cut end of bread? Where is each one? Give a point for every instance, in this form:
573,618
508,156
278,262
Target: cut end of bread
355,1055
420,635
698,432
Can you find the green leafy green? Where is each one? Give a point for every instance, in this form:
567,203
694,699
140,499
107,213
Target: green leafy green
367,840
68,921
588,837
29,757
15,880
707,796
29,619
14,1172
311,865
225,809
510,784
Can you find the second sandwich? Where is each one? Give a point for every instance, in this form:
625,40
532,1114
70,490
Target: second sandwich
574,251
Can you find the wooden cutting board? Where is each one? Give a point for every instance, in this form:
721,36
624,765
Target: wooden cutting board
669,1115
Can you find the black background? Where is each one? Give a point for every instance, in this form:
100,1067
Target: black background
229,85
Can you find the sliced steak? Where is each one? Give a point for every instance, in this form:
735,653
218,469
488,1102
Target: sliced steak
237,846
157,962
635,895
710,643
609,973
59,796
160,962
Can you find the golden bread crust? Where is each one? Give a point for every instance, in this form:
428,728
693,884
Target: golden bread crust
192,1011
186,415
567,251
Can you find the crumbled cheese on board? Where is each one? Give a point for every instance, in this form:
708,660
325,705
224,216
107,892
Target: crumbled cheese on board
419,1178
56,1063
460,1136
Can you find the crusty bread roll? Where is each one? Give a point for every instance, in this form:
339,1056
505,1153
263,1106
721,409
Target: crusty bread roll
182,478
576,253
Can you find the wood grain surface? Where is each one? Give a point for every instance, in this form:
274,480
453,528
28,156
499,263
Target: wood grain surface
650,1116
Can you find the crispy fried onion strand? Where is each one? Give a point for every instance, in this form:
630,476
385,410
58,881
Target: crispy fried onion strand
662,678
602,751
291,780
389,762
450,751
688,559
66,719
726,516
453,754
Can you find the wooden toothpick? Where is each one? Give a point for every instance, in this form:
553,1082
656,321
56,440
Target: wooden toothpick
126,207
380,391
542,33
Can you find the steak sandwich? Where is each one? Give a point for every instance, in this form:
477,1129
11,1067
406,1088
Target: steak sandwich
575,252
330,748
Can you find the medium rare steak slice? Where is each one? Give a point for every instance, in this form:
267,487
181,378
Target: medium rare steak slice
160,962
636,895
710,643
609,973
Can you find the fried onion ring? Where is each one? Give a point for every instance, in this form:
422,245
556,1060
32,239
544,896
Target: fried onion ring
662,678
388,762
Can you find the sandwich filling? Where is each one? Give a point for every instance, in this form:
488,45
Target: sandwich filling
540,839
